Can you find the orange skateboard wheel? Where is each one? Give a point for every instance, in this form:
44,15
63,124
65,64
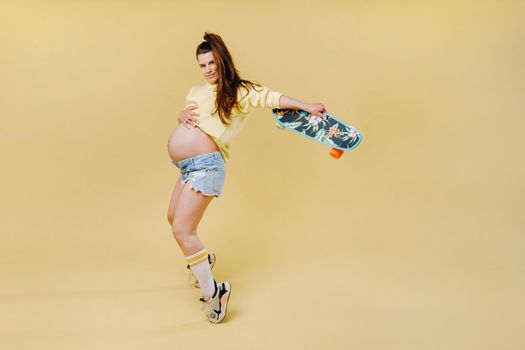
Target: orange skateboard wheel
336,153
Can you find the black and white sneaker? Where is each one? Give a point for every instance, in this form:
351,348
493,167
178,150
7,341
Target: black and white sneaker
211,260
217,304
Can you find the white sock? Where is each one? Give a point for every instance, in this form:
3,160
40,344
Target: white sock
201,269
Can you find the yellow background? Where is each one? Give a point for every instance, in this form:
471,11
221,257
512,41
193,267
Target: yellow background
415,240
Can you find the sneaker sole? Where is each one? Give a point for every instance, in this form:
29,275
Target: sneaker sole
224,302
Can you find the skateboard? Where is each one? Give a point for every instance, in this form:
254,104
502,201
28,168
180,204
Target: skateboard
325,129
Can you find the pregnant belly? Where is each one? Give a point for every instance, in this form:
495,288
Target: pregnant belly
186,143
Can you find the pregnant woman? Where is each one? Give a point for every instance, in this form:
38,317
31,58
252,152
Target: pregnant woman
214,114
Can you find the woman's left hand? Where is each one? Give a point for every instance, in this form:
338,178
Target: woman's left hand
315,108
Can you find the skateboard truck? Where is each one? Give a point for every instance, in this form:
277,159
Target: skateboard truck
336,153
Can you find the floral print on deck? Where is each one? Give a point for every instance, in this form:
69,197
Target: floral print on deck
325,128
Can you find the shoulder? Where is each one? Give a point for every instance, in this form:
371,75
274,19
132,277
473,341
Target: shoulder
199,89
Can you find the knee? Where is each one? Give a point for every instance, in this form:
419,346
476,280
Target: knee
181,231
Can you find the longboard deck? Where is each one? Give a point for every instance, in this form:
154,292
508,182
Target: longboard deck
324,129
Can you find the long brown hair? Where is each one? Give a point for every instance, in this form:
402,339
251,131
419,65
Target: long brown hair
229,81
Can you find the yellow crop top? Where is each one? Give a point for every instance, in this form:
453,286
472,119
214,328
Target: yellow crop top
203,97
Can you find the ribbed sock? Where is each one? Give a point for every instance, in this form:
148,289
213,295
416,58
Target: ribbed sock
201,269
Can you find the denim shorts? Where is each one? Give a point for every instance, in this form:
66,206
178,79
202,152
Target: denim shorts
206,173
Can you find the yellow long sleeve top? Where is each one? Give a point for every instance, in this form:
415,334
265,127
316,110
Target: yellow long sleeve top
203,97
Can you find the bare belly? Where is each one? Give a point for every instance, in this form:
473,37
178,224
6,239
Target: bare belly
186,143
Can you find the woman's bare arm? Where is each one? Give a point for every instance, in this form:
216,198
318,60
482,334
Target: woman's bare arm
313,108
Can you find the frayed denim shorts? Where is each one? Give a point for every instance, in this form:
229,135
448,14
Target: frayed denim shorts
206,173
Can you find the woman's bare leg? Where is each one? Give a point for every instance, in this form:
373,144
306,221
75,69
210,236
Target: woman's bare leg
189,209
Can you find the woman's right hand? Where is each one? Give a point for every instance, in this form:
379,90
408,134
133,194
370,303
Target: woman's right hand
315,109
188,117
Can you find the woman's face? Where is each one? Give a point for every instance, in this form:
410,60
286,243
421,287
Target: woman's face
208,67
